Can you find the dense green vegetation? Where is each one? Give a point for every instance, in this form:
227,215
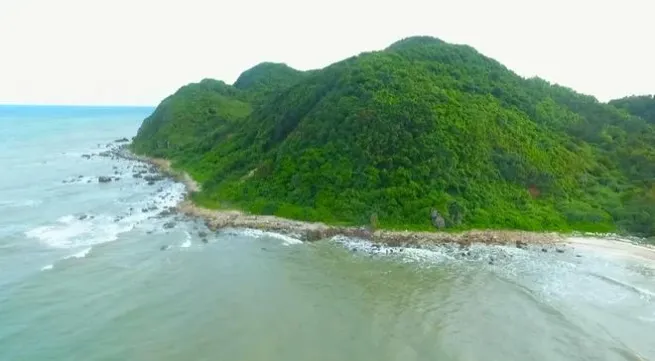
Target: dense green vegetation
393,134
641,106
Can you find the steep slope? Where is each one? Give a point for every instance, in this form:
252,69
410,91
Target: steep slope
188,115
429,125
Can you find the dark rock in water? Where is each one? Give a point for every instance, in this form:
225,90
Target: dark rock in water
118,219
491,262
151,183
559,250
117,172
114,167
137,175
202,234
80,176
401,250
152,208
86,156
164,247
89,181
82,217
578,255
544,250
264,249
169,225
521,244
148,232
204,240
144,210
353,249
117,178
153,178
167,212
104,154
122,140
104,179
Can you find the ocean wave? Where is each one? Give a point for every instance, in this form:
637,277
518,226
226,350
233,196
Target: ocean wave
187,241
70,232
77,255
641,292
81,254
256,233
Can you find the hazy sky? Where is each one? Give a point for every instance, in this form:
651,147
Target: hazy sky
138,51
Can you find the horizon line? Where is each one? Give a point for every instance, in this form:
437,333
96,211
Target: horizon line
76,105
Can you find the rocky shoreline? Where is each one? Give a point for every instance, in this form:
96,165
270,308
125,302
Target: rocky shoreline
315,231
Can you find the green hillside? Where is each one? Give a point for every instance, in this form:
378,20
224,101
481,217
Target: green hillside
641,106
422,124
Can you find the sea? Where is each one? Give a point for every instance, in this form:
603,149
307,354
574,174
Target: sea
94,271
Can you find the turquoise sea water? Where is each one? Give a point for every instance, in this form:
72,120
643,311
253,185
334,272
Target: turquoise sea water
83,276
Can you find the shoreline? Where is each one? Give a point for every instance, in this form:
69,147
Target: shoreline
607,245
216,219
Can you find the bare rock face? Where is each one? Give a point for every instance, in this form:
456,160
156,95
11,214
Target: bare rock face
437,220
104,179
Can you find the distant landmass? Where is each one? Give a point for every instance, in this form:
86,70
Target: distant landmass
421,134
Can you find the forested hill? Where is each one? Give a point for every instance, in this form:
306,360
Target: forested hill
641,106
393,134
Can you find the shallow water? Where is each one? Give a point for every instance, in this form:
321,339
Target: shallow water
101,288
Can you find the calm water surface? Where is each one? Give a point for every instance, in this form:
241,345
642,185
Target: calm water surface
83,276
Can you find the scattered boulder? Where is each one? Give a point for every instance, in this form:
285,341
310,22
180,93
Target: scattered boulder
122,140
153,178
82,217
204,240
169,225
521,244
144,210
86,156
137,175
559,250
167,212
202,234
151,183
104,179
164,247
544,250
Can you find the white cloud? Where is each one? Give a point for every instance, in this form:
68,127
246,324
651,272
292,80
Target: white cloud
138,51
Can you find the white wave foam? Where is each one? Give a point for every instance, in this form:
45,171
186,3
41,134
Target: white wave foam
255,233
81,254
47,267
405,254
20,203
70,232
187,241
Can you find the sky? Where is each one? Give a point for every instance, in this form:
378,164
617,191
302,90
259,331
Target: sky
136,52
